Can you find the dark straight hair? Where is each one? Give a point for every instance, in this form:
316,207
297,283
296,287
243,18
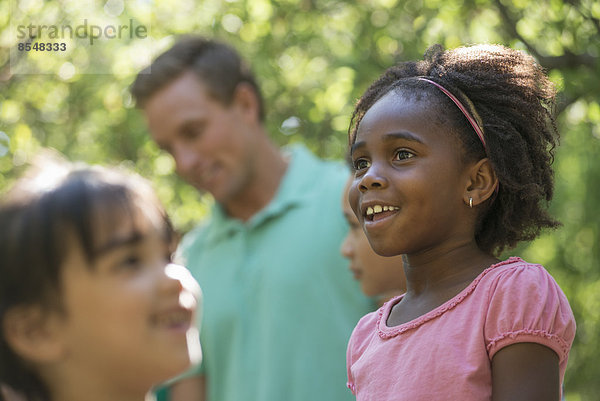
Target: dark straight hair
41,221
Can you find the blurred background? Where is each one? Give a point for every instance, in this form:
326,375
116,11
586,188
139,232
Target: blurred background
313,59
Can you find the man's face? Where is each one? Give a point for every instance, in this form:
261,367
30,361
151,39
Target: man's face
212,143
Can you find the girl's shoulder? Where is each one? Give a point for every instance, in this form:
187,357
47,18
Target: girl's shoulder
517,282
518,273
525,303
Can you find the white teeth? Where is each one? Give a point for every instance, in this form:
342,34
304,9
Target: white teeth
379,209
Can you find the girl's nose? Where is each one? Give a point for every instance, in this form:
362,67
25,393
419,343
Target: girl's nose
372,179
346,247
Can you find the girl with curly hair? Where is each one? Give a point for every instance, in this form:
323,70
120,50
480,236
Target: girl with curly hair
452,158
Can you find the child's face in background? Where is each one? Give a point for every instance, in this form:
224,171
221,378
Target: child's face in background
408,162
378,275
129,320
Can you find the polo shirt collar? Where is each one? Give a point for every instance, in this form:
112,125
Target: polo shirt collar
299,176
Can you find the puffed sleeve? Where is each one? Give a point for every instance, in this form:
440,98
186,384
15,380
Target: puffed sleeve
527,305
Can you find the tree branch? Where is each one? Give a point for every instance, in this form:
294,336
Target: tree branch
566,60
577,6
564,102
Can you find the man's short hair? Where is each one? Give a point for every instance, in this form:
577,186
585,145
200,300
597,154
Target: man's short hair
216,64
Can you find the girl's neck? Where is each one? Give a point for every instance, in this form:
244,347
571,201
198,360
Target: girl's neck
92,389
432,280
442,271
386,296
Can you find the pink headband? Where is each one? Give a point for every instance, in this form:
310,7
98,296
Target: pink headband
469,117
462,108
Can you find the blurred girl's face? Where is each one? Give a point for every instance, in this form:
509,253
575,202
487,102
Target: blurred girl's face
129,319
378,275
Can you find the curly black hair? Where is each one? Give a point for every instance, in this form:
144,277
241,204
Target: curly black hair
513,101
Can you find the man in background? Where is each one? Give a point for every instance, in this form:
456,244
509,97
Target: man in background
279,302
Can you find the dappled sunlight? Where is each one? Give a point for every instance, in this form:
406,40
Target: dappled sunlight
313,59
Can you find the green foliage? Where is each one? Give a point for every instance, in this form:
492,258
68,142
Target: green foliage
313,59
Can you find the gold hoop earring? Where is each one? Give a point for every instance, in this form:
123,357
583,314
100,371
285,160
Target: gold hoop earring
470,202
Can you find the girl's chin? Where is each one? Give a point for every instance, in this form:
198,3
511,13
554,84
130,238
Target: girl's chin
368,292
382,245
387,251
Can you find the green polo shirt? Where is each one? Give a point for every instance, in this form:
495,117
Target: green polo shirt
279,301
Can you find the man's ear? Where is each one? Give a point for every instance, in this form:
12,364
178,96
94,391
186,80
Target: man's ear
246,98
34,333
481,184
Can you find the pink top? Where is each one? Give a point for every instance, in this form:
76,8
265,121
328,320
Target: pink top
446,353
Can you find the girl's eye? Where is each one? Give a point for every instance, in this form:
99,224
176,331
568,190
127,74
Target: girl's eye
403,155
190,134
131,262
360,164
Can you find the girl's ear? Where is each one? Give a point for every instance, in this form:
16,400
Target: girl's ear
482,182
34,333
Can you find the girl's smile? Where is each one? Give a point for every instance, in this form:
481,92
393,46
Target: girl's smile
378,212
376,216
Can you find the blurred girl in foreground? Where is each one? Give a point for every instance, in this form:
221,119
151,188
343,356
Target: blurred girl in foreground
91,307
